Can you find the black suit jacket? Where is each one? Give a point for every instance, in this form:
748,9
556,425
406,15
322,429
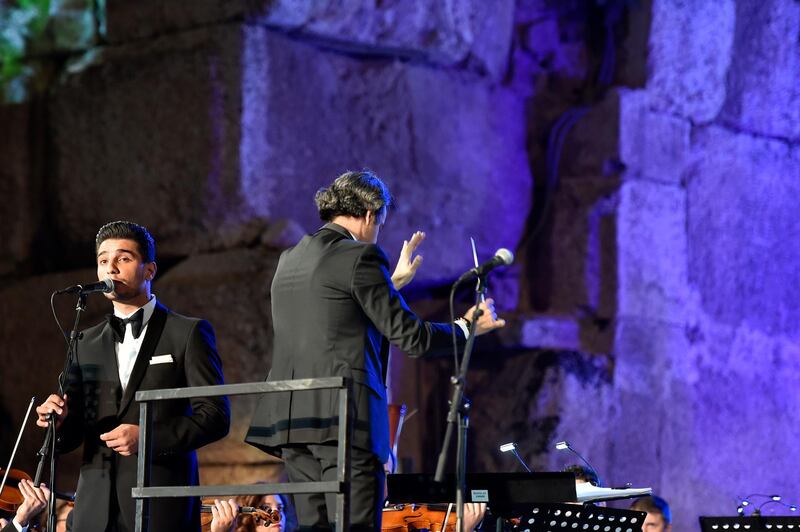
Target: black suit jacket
333,304
97,405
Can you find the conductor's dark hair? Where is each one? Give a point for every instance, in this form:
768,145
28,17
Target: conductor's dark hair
583,473
128,231
653,505
353,194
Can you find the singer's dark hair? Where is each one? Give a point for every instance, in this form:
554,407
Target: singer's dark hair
128,231
583,473
653,505
353,194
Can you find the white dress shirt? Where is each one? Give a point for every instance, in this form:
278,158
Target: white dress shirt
128,349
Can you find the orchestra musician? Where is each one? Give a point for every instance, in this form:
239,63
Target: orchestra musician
335,308
34,501
142,346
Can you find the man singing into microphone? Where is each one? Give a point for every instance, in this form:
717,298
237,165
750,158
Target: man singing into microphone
335,308
142,346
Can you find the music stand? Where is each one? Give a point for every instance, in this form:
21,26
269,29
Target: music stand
751,523
576,518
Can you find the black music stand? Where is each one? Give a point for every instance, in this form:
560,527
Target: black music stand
578,518
750,523
505,493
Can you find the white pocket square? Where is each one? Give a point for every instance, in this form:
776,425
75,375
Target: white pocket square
162,359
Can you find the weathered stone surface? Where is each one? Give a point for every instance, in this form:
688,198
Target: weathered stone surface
763,89
165,114
591,133
742,216
14,183
690,52
204,110
575,271
652,247
443,32
652,145
465,140
127,20
544,397
474,32
21,187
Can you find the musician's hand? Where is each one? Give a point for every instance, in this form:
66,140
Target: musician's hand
407,264
488,320
34,501
53,404
223,515
473,515
124,439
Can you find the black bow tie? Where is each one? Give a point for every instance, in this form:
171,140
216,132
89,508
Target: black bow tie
118,325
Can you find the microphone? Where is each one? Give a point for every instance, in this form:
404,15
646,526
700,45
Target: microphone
564,445
502,257
105,286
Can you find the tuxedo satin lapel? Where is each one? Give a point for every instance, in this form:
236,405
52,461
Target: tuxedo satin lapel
154,328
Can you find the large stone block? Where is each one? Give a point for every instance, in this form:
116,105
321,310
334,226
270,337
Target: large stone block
652,251
763,89
238,121
690,52
544,397
450,146
448,33
21,185
652,145
742,225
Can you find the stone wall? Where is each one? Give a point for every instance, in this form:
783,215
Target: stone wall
653,306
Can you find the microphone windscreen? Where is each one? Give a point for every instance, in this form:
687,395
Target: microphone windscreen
505,255
109,285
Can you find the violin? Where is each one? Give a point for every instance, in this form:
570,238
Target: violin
11,497
269,516
411,517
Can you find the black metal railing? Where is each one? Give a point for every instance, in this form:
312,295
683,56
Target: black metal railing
143,492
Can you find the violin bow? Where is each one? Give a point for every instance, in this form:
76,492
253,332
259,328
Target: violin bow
16,445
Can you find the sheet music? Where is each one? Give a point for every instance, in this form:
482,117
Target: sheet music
586,492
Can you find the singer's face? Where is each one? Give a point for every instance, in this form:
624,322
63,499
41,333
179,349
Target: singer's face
121,260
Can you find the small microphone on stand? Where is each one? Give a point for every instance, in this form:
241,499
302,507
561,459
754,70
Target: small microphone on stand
105,286
512,448
564,445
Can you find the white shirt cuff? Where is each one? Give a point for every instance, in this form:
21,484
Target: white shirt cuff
18,526
462,324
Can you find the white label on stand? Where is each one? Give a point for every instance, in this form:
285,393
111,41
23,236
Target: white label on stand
480,495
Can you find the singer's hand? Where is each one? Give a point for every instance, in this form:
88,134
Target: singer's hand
488,320
124,439
407,264
53,404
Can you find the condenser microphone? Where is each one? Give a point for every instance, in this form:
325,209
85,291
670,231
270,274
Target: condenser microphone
105,286
502,257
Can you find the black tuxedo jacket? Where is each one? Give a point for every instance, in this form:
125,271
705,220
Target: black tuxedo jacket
333,307
97,405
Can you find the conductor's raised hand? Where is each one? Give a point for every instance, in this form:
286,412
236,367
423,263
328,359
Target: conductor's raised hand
408,264
53,405
124,439
488,320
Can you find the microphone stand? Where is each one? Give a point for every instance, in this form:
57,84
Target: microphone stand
50,440
459,413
